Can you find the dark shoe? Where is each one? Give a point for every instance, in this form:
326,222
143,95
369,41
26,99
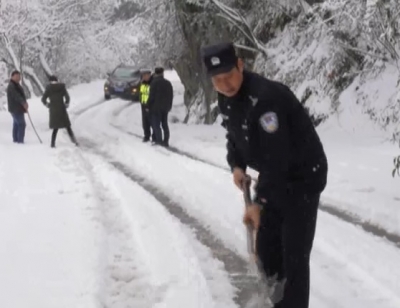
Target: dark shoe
53,146
146,139
73,139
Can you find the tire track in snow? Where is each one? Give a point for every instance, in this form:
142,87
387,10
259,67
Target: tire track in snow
343,215
238,269
120,269
118,111
87,108
197,281
174,150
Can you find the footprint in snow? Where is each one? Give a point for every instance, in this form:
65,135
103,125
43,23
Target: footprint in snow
366,190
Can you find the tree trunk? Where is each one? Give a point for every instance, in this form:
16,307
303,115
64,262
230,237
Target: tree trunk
194,22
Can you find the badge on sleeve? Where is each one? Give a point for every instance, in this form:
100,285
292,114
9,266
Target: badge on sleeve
269,122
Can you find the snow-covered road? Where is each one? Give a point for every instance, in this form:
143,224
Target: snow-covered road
205,193
118,223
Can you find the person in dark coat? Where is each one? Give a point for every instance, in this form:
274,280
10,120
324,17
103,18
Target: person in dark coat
56,98
269,131
160,104
17,106
144,92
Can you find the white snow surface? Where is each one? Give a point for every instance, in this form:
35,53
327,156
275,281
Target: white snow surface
77,232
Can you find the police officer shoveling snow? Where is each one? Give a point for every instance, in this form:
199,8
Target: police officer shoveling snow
268,130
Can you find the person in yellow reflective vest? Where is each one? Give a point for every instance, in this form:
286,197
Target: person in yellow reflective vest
144,92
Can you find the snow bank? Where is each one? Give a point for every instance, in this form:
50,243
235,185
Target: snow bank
51,243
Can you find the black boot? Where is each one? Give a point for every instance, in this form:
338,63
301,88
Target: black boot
72,136
53,138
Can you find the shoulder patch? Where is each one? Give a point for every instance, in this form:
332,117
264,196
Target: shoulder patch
269,122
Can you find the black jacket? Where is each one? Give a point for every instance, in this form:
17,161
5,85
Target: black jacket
57,99
270,131
15,97
161,95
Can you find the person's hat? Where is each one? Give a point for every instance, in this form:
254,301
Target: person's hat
220,58
145,71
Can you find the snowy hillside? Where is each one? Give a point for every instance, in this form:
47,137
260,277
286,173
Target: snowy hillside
322,77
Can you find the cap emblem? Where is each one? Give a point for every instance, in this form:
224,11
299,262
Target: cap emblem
215,61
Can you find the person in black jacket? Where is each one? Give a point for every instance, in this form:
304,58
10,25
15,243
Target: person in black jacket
160,104
269,130
58,103
17,106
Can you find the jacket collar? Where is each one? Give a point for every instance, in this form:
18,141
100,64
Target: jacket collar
14,82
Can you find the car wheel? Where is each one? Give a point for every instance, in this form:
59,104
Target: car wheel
107,96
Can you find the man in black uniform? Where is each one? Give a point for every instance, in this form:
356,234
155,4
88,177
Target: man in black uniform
160,103
269,130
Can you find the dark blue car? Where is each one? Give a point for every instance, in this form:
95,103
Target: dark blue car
123,82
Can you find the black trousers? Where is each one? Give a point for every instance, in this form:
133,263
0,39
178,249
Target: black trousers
54,136
284,243
146,124
160,120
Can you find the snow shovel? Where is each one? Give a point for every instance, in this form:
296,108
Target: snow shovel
265,289
251,232
33,126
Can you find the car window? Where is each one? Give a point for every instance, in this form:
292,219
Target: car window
125,72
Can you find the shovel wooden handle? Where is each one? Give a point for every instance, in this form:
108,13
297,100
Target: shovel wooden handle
251,233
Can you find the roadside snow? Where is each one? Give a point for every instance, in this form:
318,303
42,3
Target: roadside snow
50,243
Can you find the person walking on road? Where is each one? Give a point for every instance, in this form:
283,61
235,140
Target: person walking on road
56,98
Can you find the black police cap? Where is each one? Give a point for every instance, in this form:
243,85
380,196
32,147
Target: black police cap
220,58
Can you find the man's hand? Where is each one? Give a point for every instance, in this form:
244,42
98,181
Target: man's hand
252,216
239,177
26,106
